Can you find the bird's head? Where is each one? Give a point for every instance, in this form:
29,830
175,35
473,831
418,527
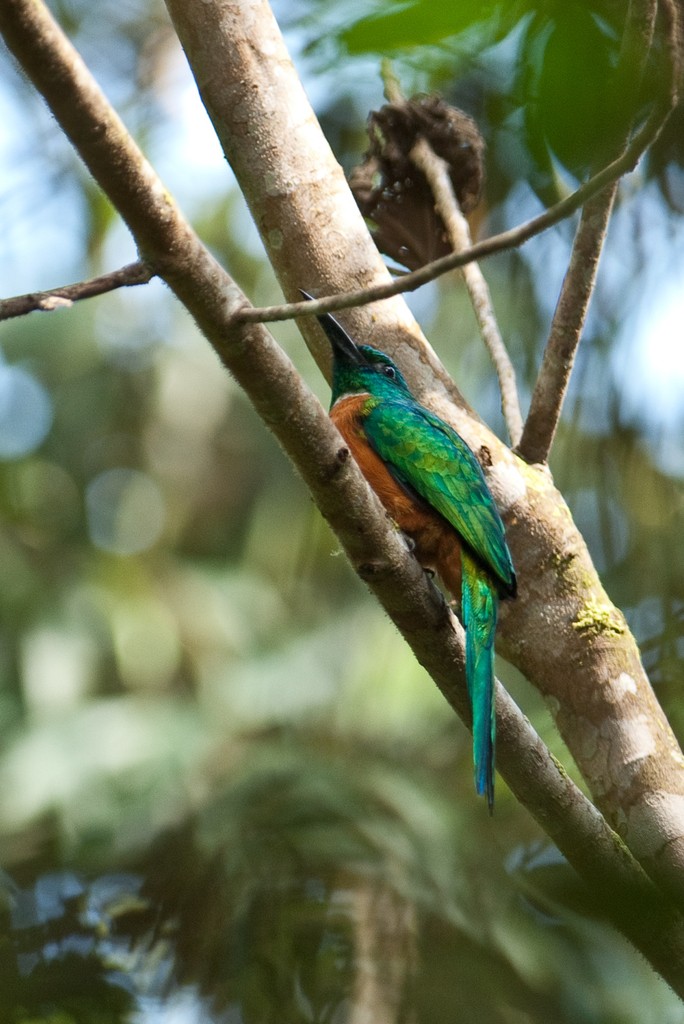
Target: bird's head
359,368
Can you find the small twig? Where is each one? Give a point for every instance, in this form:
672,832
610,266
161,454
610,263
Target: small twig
66,295
568,321
436,172
487,247
390,81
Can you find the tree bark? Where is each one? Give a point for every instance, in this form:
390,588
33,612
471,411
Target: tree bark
562,632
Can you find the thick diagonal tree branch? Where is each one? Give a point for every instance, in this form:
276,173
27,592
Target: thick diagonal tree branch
173,250
562,632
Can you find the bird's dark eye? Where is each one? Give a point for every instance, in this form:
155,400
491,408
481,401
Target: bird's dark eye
390,372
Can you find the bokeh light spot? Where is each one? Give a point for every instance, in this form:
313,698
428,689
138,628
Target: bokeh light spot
25,412
126,511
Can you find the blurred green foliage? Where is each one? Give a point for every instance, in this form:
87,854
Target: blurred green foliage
226,790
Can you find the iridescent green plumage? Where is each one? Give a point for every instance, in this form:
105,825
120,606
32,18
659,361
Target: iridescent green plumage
438,472
429,456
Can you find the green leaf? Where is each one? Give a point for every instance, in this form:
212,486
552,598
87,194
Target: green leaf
424,22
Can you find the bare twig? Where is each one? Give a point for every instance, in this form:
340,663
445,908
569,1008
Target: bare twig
391,84
578,285
66,295
510,239
437,173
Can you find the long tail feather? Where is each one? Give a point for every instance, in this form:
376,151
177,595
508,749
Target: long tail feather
480,606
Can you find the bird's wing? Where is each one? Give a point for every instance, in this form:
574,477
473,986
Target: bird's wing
426,454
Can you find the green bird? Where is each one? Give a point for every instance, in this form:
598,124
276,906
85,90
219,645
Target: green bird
432,485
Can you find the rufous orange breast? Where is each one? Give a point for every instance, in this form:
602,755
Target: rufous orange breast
436,542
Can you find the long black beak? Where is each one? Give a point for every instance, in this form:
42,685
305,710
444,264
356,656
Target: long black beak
342,345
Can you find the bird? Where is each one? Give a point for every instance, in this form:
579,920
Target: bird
433,488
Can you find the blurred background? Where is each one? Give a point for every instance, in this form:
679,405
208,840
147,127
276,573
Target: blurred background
227,791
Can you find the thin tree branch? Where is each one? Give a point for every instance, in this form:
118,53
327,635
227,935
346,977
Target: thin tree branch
511,239
566,329
436,172
66,295
314,445
578,285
